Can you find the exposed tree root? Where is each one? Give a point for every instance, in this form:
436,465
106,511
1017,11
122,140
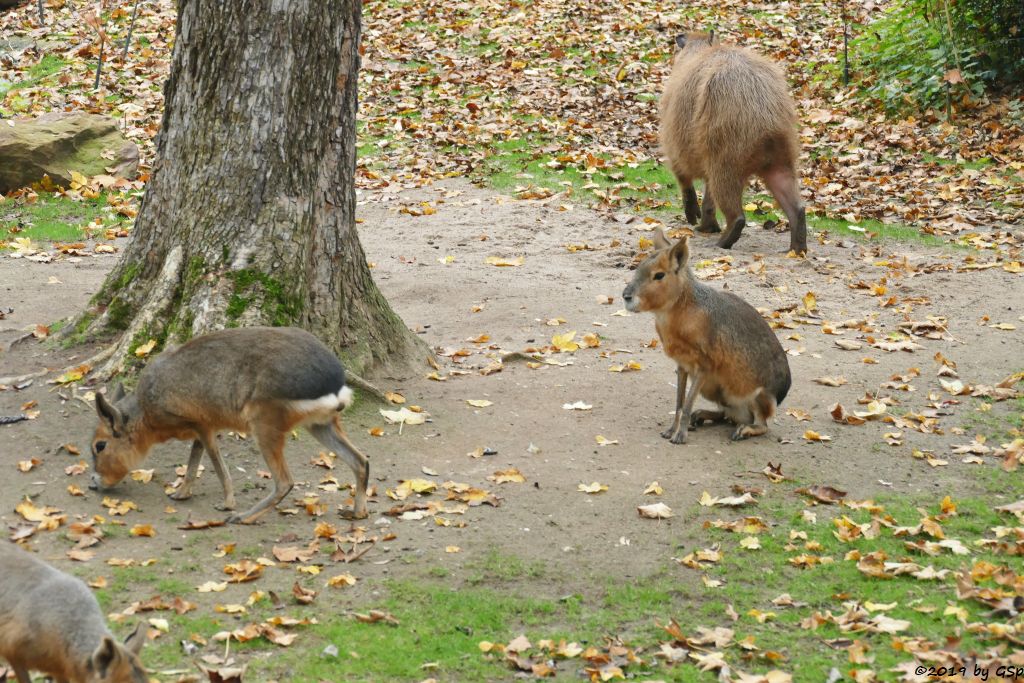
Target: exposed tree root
361,384
18,379
110,361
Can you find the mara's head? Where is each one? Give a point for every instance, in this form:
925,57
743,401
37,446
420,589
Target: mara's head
660,279
114,453
693,41
114,662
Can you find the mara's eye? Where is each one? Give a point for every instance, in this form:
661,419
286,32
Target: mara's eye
100,445
658,276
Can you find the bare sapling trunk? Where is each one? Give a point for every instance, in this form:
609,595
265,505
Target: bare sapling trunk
249,217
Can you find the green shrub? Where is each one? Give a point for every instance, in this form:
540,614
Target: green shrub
995,31
903,58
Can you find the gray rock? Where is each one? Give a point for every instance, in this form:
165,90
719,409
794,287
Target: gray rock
57,143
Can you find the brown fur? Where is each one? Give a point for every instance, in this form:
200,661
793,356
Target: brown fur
50,622
265,381
719,342
726,114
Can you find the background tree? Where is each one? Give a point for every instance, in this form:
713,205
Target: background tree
248,217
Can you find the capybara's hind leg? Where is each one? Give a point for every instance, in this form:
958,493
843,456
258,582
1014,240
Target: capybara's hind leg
690,206
729,195
708,221
782,184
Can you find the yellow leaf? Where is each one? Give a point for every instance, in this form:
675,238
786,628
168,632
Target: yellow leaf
503,262
601,441
143,530
812,435
564,342
810,302
144,349
654,488
593,487
479,403
213,587
509,476
341,581
655,511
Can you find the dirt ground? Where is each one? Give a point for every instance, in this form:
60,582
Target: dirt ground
579,537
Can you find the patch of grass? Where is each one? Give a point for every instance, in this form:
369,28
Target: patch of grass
47,66
753,578
998,422
442,625
876,231
496,566
52,217
975,165
650,188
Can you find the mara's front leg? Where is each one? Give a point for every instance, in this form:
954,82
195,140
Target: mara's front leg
672,433
184,491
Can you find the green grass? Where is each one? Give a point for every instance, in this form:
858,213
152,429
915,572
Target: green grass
496,566
49,65
52,217
650,188
444,616
999,423
874,231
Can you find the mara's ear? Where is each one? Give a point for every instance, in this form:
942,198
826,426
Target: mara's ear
109,414
711,36
105,657
137,639
660,241
681,41
117,393
680,253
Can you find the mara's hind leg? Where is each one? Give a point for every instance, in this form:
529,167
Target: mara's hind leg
781,182
333,437
708,221
762,407
184,491
270,437
728,190
699,417
21,673
690,206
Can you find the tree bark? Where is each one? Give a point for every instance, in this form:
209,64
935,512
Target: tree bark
249,216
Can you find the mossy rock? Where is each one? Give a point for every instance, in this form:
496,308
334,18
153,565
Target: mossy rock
57,143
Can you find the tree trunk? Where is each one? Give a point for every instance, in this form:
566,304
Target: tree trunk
249,217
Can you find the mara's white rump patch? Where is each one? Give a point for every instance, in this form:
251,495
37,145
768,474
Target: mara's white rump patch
344,398
325,404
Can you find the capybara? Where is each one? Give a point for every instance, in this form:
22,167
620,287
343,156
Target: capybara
726,114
